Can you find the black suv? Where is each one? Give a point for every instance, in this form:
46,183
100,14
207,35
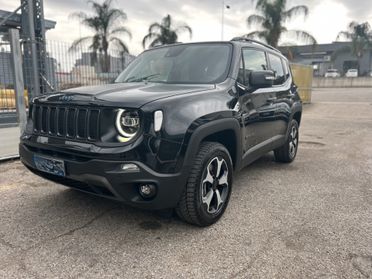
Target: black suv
172,129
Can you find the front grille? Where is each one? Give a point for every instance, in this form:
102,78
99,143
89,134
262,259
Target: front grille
66,122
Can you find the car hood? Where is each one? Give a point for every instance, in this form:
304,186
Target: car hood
122,94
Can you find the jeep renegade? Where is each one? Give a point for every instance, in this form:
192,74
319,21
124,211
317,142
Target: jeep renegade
172,129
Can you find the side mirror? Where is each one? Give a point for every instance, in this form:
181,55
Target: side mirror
262,79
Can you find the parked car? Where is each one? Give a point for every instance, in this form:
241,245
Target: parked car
332,73
351,73
173,128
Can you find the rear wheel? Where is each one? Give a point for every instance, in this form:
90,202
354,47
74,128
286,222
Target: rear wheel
208,187
287,153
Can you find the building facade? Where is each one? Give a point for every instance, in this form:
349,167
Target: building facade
322,57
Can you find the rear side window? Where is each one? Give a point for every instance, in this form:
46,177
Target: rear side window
277,67
252,60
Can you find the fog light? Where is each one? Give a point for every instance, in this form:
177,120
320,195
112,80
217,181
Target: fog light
130,168
147,190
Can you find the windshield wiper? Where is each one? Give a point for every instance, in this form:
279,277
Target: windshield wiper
139,79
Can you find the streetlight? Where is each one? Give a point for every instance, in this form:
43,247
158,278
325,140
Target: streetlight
224,6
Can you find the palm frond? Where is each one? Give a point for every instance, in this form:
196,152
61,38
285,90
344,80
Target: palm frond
255,19
256,35
122,30
303,36
296,11
164,32
352,25
120,43
155,27
115,15
78,42
167,21
184,28
344,34
149,37
156,42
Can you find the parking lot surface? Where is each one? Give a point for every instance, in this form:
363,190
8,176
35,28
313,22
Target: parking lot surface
310,219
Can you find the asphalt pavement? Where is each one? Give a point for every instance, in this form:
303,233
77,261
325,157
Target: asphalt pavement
309,219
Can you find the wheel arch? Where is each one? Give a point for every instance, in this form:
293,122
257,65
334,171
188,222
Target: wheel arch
224,131
297,116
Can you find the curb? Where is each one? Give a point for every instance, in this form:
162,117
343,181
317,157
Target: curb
9,158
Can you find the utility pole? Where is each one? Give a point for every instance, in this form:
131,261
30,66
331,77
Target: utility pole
33,35
224,6
18,78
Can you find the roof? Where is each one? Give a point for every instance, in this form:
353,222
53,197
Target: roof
319,48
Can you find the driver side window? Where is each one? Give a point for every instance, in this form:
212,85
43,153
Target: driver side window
252,60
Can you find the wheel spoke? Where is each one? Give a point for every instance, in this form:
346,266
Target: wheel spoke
219,166
295,142
208,198
294,133
209,177
219,199
223,179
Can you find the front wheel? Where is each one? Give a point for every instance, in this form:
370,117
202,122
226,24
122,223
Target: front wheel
208,187
287,153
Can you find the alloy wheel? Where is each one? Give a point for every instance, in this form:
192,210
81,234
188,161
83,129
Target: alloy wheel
215,185
293,142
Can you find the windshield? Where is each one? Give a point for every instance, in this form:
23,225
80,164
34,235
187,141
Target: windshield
183,64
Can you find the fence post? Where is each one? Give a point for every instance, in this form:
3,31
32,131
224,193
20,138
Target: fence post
18,78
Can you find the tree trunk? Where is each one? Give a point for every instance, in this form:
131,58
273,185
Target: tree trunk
106,62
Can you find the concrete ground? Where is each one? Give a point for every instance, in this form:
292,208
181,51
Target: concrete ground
310,219
9,139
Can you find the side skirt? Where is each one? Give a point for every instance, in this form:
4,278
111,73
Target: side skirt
261,149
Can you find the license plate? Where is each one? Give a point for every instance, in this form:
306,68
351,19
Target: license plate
50,165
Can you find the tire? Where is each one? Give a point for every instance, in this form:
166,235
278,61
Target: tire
287,153
208,187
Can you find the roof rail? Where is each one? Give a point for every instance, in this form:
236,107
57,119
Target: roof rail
244,39
157,46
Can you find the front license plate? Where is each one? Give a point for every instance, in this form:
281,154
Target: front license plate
50,165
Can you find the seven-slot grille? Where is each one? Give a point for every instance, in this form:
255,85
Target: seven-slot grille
66,122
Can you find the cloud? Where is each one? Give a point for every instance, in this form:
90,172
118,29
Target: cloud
326,19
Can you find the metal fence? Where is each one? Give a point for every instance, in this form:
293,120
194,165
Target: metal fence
64,68
7,96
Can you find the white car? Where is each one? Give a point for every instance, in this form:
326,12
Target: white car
351,73
332,73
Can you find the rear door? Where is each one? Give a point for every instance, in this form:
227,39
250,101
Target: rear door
283,95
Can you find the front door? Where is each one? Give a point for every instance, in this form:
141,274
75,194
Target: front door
257,106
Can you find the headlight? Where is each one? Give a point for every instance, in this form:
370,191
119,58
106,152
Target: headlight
127,124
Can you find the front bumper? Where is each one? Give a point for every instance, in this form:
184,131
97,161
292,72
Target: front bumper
105,178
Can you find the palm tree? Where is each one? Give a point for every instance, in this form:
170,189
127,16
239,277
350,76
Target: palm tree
105,23
272,17
360,35
164,33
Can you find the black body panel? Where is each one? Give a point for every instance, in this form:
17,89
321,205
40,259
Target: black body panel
78,127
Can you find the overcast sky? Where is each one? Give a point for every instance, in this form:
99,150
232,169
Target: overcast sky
326,19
